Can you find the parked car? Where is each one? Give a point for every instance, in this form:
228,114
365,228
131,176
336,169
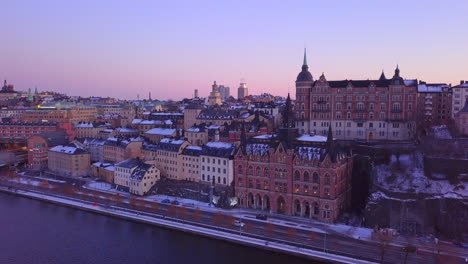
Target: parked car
166,201
175,202
239,223
261,216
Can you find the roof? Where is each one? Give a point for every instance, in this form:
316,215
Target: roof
140,171
161,131
94,141
129,164
432,88
126,130
92,124
120,141
70,149
54,138
192,151
218,149
312,138
217,114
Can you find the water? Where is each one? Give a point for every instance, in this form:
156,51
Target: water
38,232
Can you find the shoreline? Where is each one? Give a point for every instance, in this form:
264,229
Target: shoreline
185,226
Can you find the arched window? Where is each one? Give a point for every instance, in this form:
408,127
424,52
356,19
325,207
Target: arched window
266,172
285,173
316,178
306,176
250,170
297,176
327,179
258,171
239,170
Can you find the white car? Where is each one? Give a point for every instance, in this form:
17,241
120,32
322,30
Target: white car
238,223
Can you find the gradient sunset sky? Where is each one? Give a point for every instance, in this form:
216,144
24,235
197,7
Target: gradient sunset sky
124,48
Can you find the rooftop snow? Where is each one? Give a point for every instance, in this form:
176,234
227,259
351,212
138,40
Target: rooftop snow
312,138
219,145
161,131
269,136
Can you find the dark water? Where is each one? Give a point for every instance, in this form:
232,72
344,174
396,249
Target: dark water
38,232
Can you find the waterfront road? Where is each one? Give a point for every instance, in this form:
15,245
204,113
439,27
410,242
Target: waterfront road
378,250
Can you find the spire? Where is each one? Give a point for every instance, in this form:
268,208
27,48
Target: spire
382,76
305,57
330,136
288,118
397,71
243,137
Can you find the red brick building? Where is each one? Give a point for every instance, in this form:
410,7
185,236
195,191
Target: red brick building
378,109
24,130
307,176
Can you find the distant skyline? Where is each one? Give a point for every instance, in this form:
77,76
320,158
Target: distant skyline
169,48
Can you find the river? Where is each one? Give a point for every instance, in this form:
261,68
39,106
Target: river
37,232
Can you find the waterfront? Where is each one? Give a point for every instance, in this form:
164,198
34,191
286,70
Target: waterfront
38,232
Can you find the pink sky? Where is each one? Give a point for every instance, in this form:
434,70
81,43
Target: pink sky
119,49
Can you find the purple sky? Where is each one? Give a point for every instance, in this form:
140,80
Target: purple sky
125,48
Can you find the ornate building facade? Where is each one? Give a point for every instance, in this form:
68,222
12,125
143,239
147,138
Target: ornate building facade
308,176
382,109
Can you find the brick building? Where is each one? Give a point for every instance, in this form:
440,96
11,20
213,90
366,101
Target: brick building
434,104
39,145
382,109
307,176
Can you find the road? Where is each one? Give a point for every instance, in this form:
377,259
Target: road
331,242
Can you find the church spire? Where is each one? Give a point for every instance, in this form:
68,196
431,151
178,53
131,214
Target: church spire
305,57
288,115
382,76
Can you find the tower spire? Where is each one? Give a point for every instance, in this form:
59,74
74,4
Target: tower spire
305,57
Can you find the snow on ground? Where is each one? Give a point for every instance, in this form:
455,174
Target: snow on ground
441,132
103,186
407,175
50,180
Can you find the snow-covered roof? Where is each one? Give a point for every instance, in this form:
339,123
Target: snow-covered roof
161,131
257,148
194,147
136,121
193,129
268,136
172,141
309,152
217,144
432,88
69,149
127,130
312,138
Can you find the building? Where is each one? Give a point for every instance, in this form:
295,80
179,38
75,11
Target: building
216,160
168,159
39,145
117,149
95,147
365,110
156,134
191,113
123,171
216,116
190,158
215,95
69,160
19,132
90,129
7,92
103,171
224,92
460,94
197,135
61,113
461,120
308,176
242,91
143,178
434,104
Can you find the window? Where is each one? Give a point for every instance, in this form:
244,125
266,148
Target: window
297,176
327,179
306,176
239,169
258,171
315,178
266,172
250,170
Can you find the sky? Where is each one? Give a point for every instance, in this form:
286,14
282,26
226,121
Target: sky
169,48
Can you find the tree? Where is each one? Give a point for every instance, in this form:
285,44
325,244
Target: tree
44,184
155,207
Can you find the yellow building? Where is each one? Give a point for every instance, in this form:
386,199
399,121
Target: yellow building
69,160
119,149
90,130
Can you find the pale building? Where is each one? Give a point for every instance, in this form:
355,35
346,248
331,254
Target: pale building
122,172
242,91
103,171
224,91
217,163
168,159
191,113
90,129
143,178
69,160
197,135
459,96
95,147
190,157
119,149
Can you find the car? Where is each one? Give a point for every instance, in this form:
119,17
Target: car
261,216
175,202
166,201
239,223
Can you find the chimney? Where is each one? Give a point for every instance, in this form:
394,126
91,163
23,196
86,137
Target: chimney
462,82
216,137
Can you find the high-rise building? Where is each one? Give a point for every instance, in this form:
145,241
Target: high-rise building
224,91
434,104
196,93
379,109
242,91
